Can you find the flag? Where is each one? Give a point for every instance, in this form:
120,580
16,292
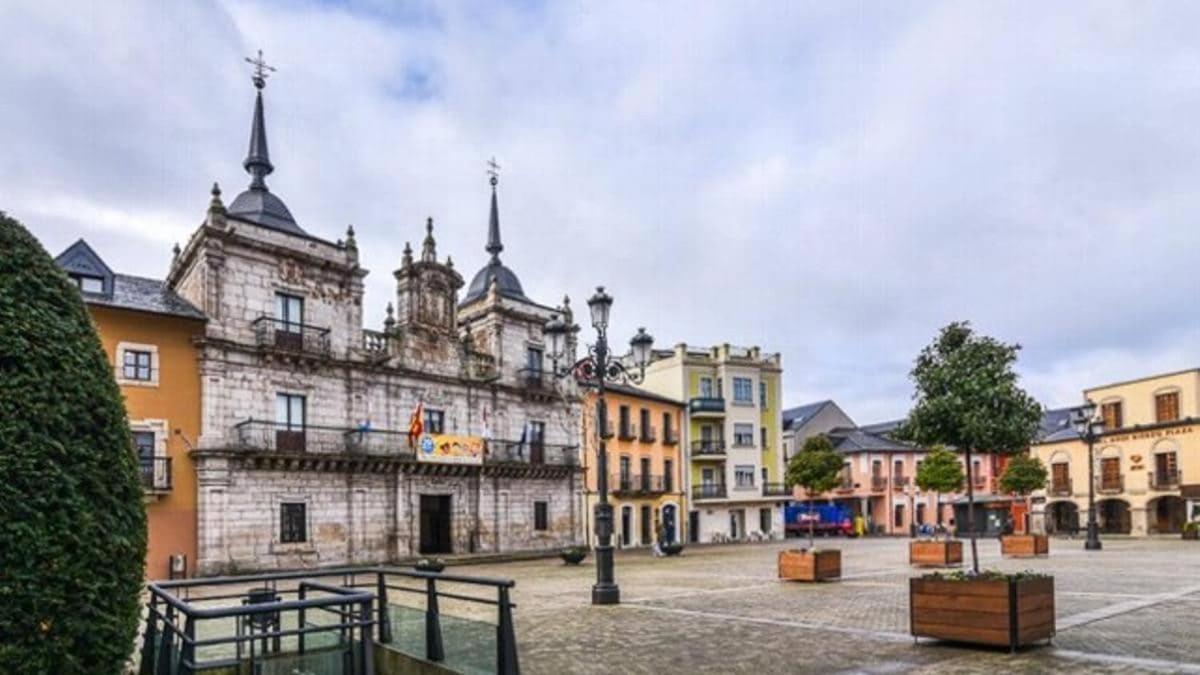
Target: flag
524,440
487,431
416,425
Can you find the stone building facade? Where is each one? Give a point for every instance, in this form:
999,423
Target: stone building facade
308,455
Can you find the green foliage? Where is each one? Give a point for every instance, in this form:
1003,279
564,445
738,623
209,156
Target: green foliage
1023,475
967,395
985,575
817,467
940,471
72,521
1192,526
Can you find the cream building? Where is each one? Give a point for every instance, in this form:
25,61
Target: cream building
732,439
1147,462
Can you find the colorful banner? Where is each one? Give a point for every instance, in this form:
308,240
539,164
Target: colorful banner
446,449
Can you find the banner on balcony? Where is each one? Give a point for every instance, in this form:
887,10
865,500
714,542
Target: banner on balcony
446,449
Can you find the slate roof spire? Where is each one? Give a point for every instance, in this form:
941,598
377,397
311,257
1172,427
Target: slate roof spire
494,246
494,272
257,204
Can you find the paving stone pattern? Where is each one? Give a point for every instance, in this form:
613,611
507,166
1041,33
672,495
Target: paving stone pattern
1133,607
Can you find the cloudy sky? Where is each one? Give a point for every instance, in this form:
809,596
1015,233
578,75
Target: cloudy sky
833,181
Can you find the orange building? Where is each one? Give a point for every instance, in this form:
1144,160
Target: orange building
645,466
148,333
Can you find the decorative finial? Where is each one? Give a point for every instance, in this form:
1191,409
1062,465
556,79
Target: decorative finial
261,70
216,190
449,261
493,171
175,250
390,320
429,246
350,241
407,260
566,301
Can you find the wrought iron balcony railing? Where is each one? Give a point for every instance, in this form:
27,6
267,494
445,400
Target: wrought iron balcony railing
535,379
1164,480
634,484
291,336
879,483
776,490
155,473
285,438
1061,488
899,482
713,447
627,431
378,442
500,451
1111,484
670,437
706,404
709,491
648,435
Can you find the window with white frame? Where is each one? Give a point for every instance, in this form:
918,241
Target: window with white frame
137,364
743,475
706,387
743,435
743,390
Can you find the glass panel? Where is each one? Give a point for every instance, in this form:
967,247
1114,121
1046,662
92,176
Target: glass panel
281,410
296,414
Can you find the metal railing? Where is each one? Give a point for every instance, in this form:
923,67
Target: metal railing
155,473
290,336
709,491
1111,484
627,431
879,483
637,484
1061,488
298,621
285,438
368,441
500,451
670,437
899,481
708,447
535,379
1164,480
706,404
648,435
776,490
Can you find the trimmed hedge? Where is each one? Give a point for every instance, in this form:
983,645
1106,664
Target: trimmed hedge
72,520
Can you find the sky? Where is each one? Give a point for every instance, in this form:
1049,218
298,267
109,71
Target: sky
832,181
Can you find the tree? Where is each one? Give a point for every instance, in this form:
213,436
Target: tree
940,472
72,522
1024,474
967,397
816,468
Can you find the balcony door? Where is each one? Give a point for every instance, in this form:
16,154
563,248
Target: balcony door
1165,467
1110,473
706,387
1060,476
537,442
289,422
289,315
624,477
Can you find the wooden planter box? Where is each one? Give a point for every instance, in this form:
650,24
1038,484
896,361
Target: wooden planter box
1024,545
796,565
999,613
935,553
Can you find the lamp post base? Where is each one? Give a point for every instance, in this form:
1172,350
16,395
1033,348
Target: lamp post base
606,594
1093,538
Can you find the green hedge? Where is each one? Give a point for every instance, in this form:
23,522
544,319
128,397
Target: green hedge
72,521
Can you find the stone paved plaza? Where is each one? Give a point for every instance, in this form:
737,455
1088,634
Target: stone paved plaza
1133,607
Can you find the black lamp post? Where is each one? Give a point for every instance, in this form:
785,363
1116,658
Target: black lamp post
595,369
1089,429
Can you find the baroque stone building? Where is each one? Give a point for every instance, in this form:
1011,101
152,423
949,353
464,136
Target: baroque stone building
325,443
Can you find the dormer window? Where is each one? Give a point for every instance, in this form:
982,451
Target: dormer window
88,284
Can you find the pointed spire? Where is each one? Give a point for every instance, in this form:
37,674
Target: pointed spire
258,159
351,243
494,246
429,246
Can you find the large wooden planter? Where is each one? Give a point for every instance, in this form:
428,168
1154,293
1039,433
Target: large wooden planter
996,612
797,565
1024,545
935,553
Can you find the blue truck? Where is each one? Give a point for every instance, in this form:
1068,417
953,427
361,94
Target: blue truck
827,519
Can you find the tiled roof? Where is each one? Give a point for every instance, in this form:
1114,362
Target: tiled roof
144,295
795,417
858,440
884,428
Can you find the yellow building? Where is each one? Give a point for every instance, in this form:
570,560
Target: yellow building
733,438
1146,463
148,333
645,466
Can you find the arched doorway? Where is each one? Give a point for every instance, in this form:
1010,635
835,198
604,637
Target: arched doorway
669,515
1113,516
1166,515
1062,518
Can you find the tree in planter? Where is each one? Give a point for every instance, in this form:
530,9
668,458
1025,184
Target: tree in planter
967,397
816,468
72,521
940,472
1023,475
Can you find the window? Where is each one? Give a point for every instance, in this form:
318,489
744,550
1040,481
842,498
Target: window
541,516
533,359
668,475
1111,412
764,520
143,442
289,412
876,468
88,284
1060,476
743,476
899,518
762,394
847,476
1110,473
707,476
763,436
668,427
706,388
764,475
289,310
921,513
626,430
647,432
898,468
292,522
1166,407
624,468
435,421
743,435
137,365
644,465
743,390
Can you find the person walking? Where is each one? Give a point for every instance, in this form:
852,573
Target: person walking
660,534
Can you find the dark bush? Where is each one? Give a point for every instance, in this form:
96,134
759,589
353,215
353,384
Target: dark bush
72,522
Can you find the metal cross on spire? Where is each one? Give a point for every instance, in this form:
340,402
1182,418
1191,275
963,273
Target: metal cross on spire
261,70
493,170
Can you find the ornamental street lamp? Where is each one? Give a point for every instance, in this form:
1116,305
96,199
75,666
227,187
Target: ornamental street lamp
1089,428
596,368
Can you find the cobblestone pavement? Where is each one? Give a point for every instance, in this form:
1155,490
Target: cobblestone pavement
1133,607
